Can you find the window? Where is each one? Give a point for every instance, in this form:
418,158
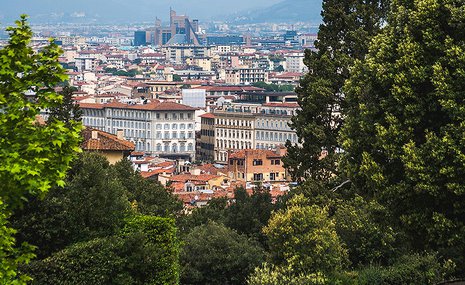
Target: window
174,135
174,126
190,126
158,147
167,147
258,176
190,147
158,127
181,116
167,126
182,148
257,162
275,162
183,126
273,176
167,135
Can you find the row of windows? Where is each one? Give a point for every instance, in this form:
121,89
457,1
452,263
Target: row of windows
130,124
174,116
208,133
231,122
174,148
174,135
235,134
233,144
93,122
174,126
130,114
272,124
279,137
136,134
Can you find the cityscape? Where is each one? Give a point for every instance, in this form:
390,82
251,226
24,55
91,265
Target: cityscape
267,142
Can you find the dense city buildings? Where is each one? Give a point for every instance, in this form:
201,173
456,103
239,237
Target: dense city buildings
187,92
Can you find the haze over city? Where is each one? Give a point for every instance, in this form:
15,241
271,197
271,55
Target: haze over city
123,11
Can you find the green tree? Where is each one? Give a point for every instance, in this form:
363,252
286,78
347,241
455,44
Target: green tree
274,275
145,252
214,254
304,238
148,197
248,214
177,78
403,137
69,111
347,27
33,157
93,204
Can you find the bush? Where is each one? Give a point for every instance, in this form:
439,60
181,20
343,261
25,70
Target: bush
146,252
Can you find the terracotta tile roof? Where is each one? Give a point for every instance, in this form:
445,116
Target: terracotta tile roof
241,154
152,106
283,105
104,141
189,177
208,116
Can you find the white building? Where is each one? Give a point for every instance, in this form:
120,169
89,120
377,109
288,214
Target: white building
245,76
194,97
295,62
165,129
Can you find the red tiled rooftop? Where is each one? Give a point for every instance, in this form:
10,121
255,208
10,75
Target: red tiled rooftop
104,141
208,116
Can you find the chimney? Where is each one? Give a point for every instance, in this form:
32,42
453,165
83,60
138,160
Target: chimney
94,134
120,134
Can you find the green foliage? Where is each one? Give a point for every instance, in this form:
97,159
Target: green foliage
10,255
274,87
148,197
69,111
273,275
93,204
177,78
412,269
360,226
304,238
117,72
248,214
344,35
403,134
214,211
33,157
214,254
146,252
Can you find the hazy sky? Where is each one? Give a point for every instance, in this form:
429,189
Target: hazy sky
123,10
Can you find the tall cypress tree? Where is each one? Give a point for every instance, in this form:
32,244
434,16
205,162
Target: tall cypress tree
347,27
405,127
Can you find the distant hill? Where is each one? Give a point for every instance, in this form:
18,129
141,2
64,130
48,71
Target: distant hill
285,11
118,11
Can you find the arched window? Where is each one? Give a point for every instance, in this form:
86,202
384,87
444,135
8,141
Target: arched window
174,148
190,147
159,147
167,148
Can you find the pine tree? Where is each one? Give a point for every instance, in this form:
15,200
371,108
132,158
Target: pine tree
347,27
405,127
68,111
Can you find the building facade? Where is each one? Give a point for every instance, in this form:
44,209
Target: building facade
165,129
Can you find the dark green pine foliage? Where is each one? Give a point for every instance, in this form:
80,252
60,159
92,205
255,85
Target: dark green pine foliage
68,111
405,128
344,35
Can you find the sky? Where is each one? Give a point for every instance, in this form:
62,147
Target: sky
122,10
